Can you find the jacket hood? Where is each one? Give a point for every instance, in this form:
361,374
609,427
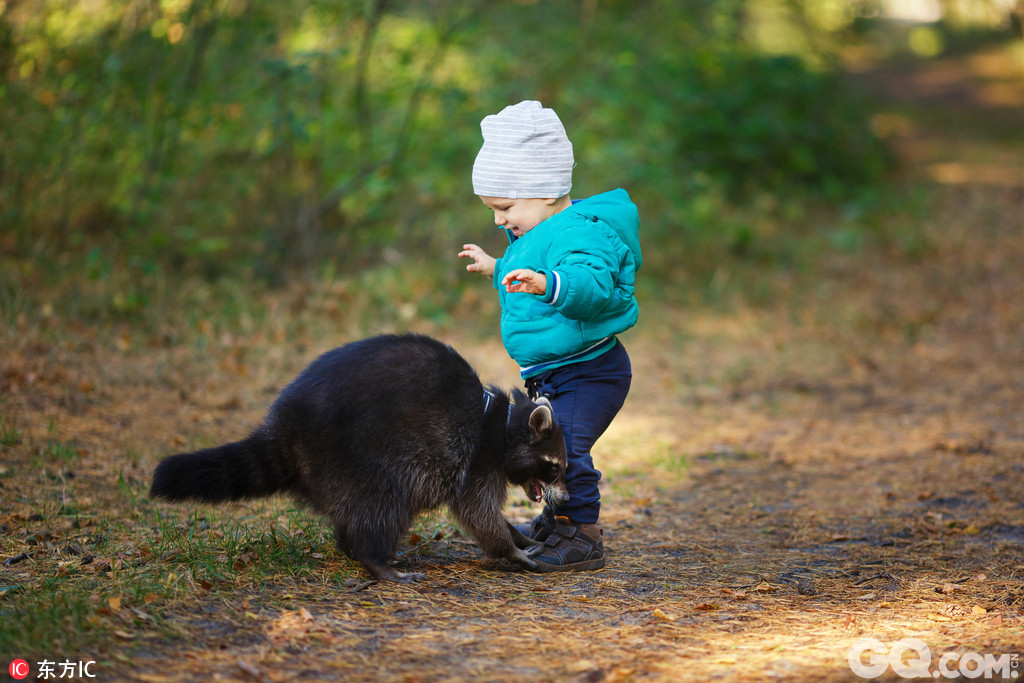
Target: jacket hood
618,211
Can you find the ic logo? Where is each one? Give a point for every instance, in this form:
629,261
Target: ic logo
19,669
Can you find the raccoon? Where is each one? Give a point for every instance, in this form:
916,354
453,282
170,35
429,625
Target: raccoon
379,430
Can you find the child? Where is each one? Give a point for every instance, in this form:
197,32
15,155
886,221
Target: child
566,286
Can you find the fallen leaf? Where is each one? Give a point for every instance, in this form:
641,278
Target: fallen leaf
947,588
978,609
706,607
582,666
124,635
115,604
661,615
953,611
150,598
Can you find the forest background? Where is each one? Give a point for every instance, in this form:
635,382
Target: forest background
156,155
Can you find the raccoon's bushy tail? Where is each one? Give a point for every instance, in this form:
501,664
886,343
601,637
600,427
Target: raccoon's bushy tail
243,469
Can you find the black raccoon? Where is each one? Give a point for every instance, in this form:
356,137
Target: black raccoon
379,430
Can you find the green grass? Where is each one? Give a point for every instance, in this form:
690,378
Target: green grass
9,434
108,582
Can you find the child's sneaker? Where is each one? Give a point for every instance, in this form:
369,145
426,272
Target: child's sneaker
541,526
570,548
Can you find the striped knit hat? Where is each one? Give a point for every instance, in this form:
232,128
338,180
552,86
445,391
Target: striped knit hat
526,154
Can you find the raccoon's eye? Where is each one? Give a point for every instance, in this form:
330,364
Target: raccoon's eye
553,472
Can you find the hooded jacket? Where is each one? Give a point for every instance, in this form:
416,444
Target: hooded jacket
590,254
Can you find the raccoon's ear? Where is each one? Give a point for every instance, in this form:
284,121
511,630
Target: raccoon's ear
542,419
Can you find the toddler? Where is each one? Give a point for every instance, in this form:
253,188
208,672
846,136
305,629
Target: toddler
566,284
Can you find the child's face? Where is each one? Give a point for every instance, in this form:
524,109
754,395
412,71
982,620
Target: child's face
520,215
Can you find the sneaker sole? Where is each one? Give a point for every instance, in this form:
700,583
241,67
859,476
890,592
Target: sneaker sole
585,566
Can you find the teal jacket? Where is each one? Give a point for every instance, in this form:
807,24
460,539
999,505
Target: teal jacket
590,253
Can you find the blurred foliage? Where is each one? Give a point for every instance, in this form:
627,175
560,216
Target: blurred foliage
146,141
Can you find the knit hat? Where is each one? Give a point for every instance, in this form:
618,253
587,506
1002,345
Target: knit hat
526,154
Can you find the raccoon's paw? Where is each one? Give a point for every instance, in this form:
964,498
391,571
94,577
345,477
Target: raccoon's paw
383,572
521,558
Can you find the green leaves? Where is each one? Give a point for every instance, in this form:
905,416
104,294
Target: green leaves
210,140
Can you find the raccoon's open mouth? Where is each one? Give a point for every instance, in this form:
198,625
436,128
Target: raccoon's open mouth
537,491
534,490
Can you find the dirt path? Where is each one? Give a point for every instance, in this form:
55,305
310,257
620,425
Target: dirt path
782,483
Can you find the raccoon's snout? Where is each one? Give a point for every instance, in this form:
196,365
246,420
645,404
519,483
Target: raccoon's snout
552,494
555,495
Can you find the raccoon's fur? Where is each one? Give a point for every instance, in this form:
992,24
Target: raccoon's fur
377,431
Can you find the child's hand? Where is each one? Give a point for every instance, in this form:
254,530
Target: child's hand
526,281
482,262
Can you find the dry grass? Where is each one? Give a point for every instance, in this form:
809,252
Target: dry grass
783,481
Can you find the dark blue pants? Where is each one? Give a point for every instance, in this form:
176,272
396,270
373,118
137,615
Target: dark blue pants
586,397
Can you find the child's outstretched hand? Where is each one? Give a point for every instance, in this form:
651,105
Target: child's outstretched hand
482,263
523,280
